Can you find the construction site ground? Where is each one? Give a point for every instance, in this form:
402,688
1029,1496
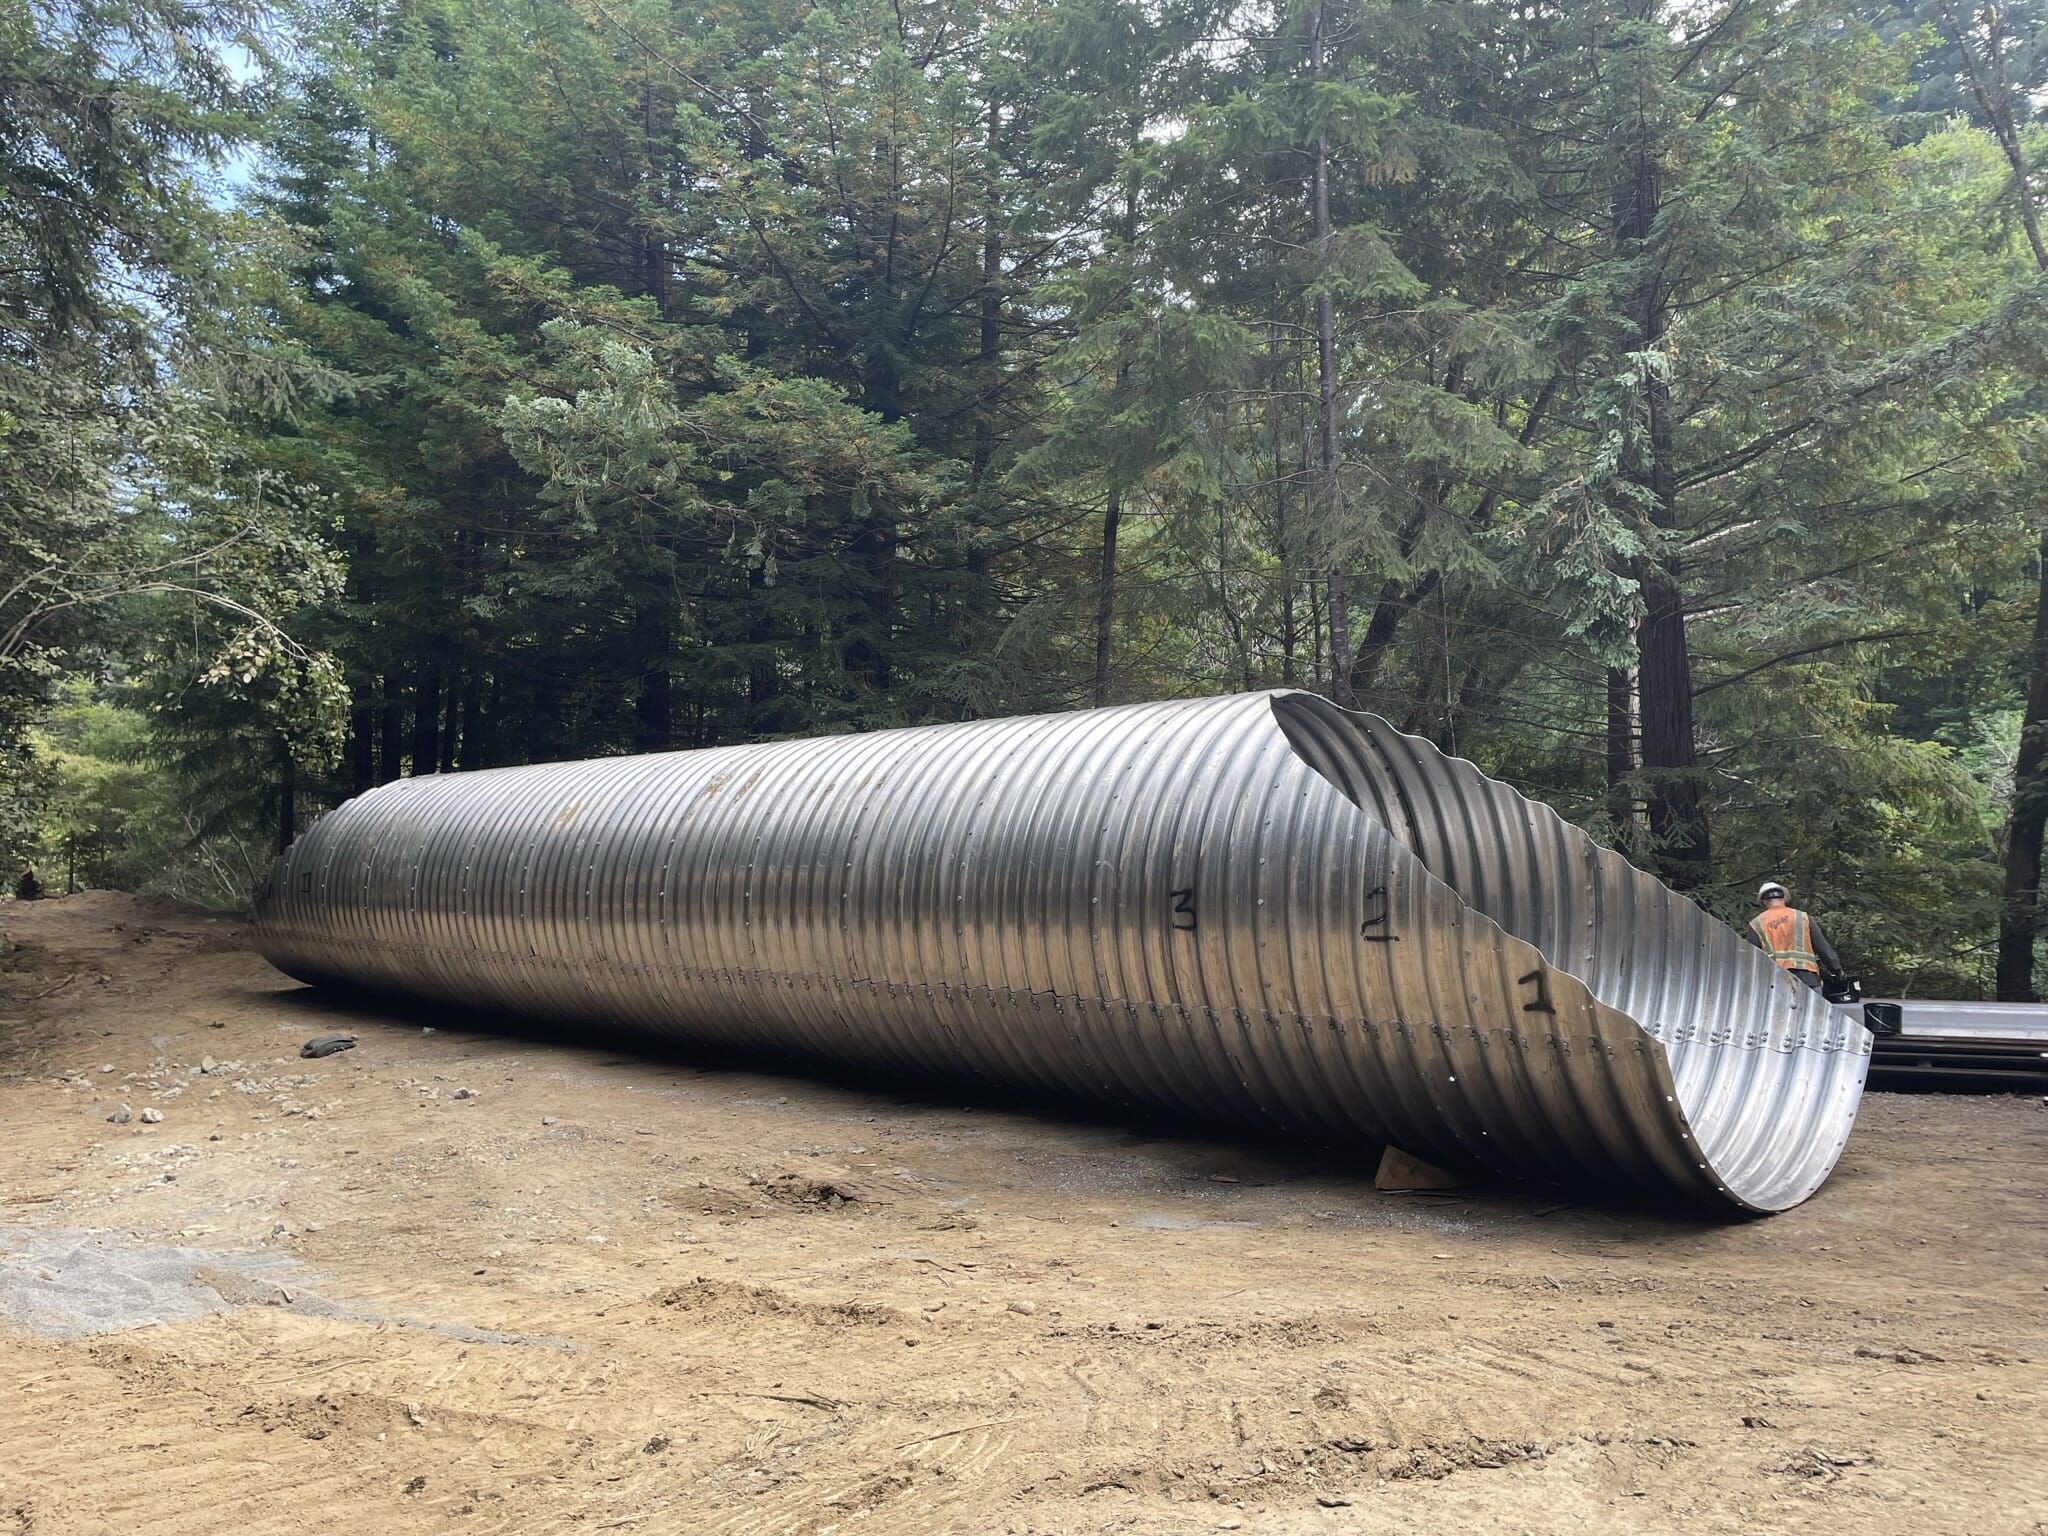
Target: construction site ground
451,1280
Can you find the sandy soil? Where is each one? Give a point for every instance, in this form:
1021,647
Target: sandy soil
454,1281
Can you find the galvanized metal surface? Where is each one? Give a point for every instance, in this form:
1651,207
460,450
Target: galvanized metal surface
1958,1047
1926,1018
1258,909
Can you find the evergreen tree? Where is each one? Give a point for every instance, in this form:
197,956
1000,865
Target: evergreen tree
123,332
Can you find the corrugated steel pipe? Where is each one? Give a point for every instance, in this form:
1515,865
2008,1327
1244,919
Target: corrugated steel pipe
1258,909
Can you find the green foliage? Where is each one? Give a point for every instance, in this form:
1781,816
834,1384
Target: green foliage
99,807
136,360
106,810
590,376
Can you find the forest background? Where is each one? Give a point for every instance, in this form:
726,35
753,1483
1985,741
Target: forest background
1644,400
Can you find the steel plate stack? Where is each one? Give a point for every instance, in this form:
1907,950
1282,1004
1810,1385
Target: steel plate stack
1958,1047
1257,910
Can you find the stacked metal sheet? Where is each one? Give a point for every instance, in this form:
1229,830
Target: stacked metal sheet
1958,1047
1258,909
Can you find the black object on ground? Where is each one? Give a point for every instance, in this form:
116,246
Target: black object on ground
1958,1047
327,1045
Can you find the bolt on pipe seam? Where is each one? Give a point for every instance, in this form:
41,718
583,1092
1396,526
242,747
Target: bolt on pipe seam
1258,910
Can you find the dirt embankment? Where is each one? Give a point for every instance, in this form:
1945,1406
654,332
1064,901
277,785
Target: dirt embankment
449,1281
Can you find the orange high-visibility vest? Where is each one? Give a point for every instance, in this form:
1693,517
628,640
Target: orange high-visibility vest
1787,934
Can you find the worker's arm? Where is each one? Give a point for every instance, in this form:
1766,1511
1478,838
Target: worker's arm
1750,934
1823,951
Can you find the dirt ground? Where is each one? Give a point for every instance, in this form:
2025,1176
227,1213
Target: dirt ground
455,1281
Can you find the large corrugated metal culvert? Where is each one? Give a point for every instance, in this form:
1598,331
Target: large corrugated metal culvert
1260,909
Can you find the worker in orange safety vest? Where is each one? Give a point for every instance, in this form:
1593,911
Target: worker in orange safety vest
1791,937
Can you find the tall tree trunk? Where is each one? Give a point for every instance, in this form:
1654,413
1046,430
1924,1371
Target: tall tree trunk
1287,627
471,756
1425,706
1395,603
1315,629
980,594
1113,506
654,703
426,721
1386,618
872,549
287,796
2017,912
657,115
362,745
764,689
764,713
1678,818
1283,543
866,656
1105,594
1621,745
391,737
1338,595
451,727
2003,106
486,745
1232,619
1438,691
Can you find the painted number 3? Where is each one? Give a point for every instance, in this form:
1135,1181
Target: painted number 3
1183,908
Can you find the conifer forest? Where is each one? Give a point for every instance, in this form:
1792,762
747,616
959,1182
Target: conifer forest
1644,399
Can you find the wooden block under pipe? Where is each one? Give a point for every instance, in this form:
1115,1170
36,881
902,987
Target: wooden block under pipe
1401,1171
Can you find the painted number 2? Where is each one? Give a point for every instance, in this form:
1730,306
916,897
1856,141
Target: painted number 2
1542,1004
1376,917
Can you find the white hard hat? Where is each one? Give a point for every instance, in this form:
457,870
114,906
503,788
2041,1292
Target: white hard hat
1769,888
